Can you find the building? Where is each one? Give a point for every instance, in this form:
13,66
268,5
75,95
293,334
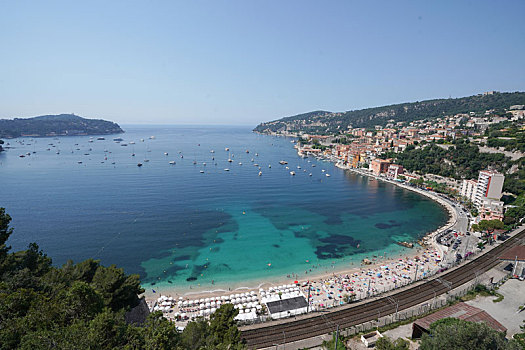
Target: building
394,170
490,185
460,311
468,189
491,209
379,166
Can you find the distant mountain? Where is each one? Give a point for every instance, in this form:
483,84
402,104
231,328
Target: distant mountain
323,122
56,125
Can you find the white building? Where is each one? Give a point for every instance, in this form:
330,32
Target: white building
490,185
468,189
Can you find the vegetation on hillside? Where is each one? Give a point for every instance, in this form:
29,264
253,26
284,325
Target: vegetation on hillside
508,135
83,306
462,160
54,125
322,122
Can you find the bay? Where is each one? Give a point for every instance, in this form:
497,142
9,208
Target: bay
180,228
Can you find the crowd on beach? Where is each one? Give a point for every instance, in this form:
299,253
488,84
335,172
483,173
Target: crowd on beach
382,275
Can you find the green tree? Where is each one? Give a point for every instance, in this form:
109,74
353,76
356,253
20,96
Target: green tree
159,333
330,344
488,226
451,333
386,343
223,331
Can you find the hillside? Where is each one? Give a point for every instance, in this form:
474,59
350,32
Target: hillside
56,125
323,122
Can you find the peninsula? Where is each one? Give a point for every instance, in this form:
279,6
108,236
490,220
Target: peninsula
56,125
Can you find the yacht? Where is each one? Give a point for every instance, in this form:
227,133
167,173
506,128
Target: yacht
282,162
260,173
292,173
327,175
172,162
226,169
165,153
202,171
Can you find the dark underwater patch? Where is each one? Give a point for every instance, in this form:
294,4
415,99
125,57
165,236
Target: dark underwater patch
276,246
336,246
382,225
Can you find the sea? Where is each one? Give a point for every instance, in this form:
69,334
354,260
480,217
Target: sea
190,220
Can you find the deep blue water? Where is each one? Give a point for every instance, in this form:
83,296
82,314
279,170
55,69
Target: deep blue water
173,223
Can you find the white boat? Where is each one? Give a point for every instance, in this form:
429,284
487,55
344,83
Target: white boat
327,175
292,173
131,142
212,151
240,163
256,164
152,137
310,174
229,160
282,162
226,149
165,153
202,171
172,162
269,166
226,169
260,173
204,164
298,167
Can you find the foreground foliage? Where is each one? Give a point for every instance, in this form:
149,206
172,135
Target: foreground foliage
451,333
82,306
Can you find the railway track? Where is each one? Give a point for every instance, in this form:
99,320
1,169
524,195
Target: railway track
270,334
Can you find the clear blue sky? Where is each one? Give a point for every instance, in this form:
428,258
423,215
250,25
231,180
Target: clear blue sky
242,62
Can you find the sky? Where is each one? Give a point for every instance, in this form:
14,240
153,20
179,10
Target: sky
249,61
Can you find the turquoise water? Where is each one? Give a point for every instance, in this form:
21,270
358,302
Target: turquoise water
180,228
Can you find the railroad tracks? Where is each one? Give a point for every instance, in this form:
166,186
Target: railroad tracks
314,325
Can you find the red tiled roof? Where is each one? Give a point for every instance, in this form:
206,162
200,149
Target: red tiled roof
461,311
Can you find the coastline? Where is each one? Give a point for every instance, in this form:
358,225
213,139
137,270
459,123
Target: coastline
315,277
